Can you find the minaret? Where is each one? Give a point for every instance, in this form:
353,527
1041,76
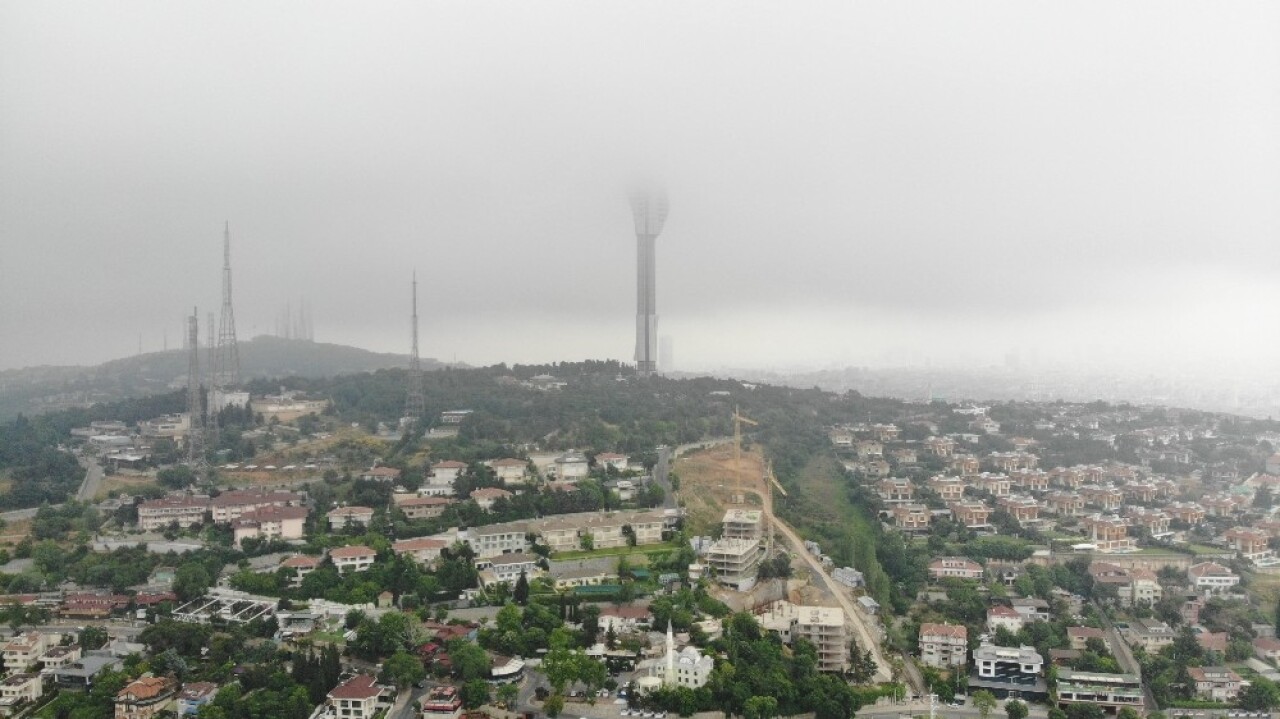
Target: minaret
650,213
669,677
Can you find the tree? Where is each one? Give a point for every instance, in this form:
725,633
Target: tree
521,593
1261,695
1015,709
984,701
403,669
507,694
191,581
1128,713
475,694
176,477
93,638
760,707
1085,711
553,705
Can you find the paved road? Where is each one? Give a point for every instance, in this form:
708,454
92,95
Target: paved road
661,475
92,481
1128,663
941,711
858,621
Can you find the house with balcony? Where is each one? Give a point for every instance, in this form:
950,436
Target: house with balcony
1150,634
1251,543
1022,508
997,485
1112,692
943,447
1211,577
944,645
973,515
143,698
1030,480
1216,684
964,464
895,490
958,567
912,518
1064,504
1000,616
1107,533
950,489
352,559
344,517
1107,499
355,698
23,651
18,691
1190,512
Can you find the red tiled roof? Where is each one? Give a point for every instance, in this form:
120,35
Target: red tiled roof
953,631
352,551
361,686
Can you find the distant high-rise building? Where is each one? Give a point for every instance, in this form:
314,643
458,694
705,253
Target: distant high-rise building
650,213
195,405
666,353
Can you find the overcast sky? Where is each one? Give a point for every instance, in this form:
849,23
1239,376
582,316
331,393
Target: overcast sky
850,183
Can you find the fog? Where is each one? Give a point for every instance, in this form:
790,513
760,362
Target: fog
850,183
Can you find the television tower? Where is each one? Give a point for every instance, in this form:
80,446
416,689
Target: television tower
650,212
195,410
226,360
414,401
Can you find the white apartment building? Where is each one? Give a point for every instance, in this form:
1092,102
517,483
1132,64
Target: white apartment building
24,650
352,559
823,627
734,561
356,698
944,645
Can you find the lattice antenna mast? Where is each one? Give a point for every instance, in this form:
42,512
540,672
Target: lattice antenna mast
226,368
414,402
195,408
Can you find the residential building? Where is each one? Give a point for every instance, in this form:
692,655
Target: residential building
81,674
270,523
510,470
912,518
849,577
302,565
1108,499
487,496
1189,512
961,567
423,550
1008,671
446,472
997,485
944,645
742,524
195,695
895,490
1211,577
344,517
734,561
442,702
356,698
1267,649
606,460
18,690
1031,609
1150,634
1006,617
143,698
1109,691
352,559
1251,543
1064,504
381,474
940,446
507,568
950,489
973,515
185,511
232,504
1219,684
24,650
823,627
416,507
58,657
1022,508
1080,636
1030,480
1107,533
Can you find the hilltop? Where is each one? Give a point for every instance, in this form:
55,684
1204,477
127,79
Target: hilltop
42,389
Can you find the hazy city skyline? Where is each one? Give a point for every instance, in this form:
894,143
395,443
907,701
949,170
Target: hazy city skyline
879,183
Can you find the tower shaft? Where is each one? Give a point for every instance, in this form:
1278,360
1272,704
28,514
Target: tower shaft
414,401
195,407
646,305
